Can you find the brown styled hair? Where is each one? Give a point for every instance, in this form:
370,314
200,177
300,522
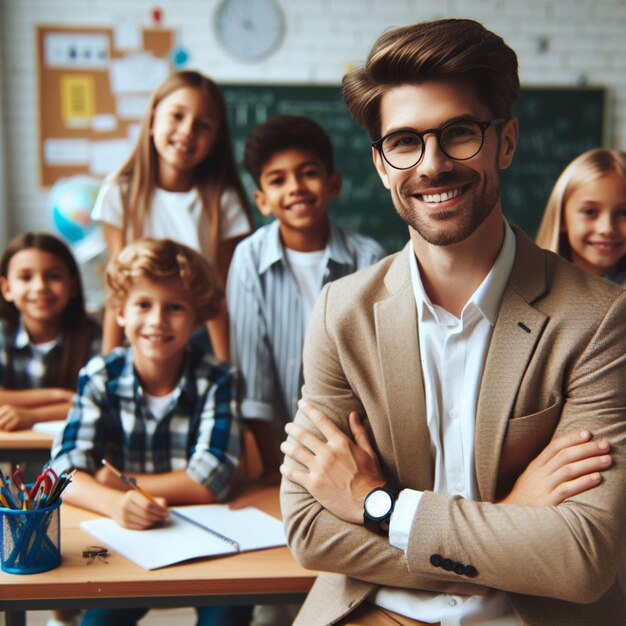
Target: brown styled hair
285,132
163,259
78,330
449,49
138,175
583,169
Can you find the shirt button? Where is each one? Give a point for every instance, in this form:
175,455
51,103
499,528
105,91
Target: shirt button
459,486
452,602
452,413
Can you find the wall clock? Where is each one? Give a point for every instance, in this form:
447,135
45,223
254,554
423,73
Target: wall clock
250,29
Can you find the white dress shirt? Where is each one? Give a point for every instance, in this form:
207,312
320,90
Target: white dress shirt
452,354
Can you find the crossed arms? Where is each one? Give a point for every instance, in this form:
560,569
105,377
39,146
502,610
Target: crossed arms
567,551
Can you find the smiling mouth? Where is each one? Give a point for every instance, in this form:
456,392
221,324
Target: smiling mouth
41,302
300,205
444,196
157,338
182,148
606,246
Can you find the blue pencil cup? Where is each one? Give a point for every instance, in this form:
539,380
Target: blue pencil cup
31,539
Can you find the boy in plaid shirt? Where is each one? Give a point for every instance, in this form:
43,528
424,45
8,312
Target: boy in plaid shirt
161,410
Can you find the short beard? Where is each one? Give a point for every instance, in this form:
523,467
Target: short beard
472,216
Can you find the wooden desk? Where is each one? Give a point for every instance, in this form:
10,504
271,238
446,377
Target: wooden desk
264,577
25,445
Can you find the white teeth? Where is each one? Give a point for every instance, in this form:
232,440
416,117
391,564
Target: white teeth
441,197
181,147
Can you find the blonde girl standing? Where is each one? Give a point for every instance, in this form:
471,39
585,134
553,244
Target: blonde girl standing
179,182
585,218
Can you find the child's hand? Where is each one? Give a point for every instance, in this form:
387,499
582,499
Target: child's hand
12,418
568,466
107,478
137,513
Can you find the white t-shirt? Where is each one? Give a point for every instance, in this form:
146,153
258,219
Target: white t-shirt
176,215
307,268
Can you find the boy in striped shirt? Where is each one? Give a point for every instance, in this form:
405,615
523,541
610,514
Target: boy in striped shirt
277,273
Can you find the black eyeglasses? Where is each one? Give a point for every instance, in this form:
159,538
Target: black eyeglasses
459,140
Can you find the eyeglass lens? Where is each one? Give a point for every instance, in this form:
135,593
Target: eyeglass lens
459,140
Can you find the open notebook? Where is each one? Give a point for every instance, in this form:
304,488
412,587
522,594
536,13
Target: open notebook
54,427
193,532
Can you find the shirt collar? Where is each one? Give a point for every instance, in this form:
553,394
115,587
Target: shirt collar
129,385
272,252
336,249
489,293
22,338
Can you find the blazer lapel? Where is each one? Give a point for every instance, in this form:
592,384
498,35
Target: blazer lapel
516,333
402,382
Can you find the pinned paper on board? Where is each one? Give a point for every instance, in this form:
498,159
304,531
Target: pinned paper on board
78,100
138,73
66,152
76,50
127,35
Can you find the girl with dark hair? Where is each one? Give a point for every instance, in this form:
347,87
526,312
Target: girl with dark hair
46,335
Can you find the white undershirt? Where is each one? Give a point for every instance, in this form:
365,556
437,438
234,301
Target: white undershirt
43,348
307,268
160,406
452,354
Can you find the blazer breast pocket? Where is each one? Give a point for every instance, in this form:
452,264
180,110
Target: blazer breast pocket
526,436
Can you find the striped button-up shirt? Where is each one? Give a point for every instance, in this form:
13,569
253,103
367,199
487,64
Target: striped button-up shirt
110,418
266,317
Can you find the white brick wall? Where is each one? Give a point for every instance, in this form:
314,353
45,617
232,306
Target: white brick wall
586,41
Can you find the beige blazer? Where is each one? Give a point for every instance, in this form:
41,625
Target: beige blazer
557,363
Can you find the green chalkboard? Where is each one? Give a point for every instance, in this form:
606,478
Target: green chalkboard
555,126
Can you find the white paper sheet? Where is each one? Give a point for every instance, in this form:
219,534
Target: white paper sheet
137,73
180,540
107,155
53,427
66,151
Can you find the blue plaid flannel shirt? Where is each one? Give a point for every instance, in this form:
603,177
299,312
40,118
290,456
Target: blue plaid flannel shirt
24,367
110,419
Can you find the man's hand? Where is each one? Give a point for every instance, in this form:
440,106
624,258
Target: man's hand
568,466
13,418
137,513
338,472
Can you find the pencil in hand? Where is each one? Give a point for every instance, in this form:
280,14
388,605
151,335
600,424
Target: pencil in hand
130,481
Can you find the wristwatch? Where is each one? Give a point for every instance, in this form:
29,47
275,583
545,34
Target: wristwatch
378,507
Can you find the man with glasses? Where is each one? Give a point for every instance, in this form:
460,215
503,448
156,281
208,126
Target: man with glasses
467,353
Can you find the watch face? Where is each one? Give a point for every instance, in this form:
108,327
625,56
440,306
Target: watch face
249,29
378,503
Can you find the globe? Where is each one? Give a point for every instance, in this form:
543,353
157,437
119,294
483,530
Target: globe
71,201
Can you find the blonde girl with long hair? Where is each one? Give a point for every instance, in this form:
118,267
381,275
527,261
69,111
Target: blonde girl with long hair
179,182
585,218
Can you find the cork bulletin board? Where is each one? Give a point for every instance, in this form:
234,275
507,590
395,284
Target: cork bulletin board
93,86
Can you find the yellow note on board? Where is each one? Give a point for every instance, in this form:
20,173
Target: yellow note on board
78,100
